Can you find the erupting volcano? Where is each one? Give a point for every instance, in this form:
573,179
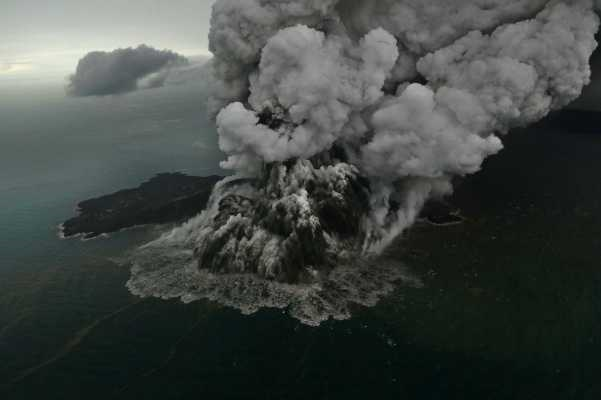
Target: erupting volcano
340,119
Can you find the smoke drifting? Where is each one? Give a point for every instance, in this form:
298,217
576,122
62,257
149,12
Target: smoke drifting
122,70
341,118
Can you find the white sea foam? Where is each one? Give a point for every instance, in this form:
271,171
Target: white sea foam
169,273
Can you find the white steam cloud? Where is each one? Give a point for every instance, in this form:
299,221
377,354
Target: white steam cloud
345,116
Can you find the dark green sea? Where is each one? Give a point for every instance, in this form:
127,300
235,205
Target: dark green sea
510,307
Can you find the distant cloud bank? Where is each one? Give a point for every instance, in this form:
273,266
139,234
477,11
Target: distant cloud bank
123,70
11,67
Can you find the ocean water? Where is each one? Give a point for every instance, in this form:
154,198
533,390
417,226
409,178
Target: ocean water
510,306
56,151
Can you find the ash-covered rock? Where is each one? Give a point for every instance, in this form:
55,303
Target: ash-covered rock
290,239
294,225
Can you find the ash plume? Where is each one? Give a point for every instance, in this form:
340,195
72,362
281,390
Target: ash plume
102,73
340,119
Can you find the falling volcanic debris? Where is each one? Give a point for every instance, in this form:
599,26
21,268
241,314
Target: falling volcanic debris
340,119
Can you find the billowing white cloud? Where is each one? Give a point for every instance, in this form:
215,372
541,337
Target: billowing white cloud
317,83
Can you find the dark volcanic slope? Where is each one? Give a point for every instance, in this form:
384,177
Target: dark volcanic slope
165,198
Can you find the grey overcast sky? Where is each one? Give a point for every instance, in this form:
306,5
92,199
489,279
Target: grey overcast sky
47,37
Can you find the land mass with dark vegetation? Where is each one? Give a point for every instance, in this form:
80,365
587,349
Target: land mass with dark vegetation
166,198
